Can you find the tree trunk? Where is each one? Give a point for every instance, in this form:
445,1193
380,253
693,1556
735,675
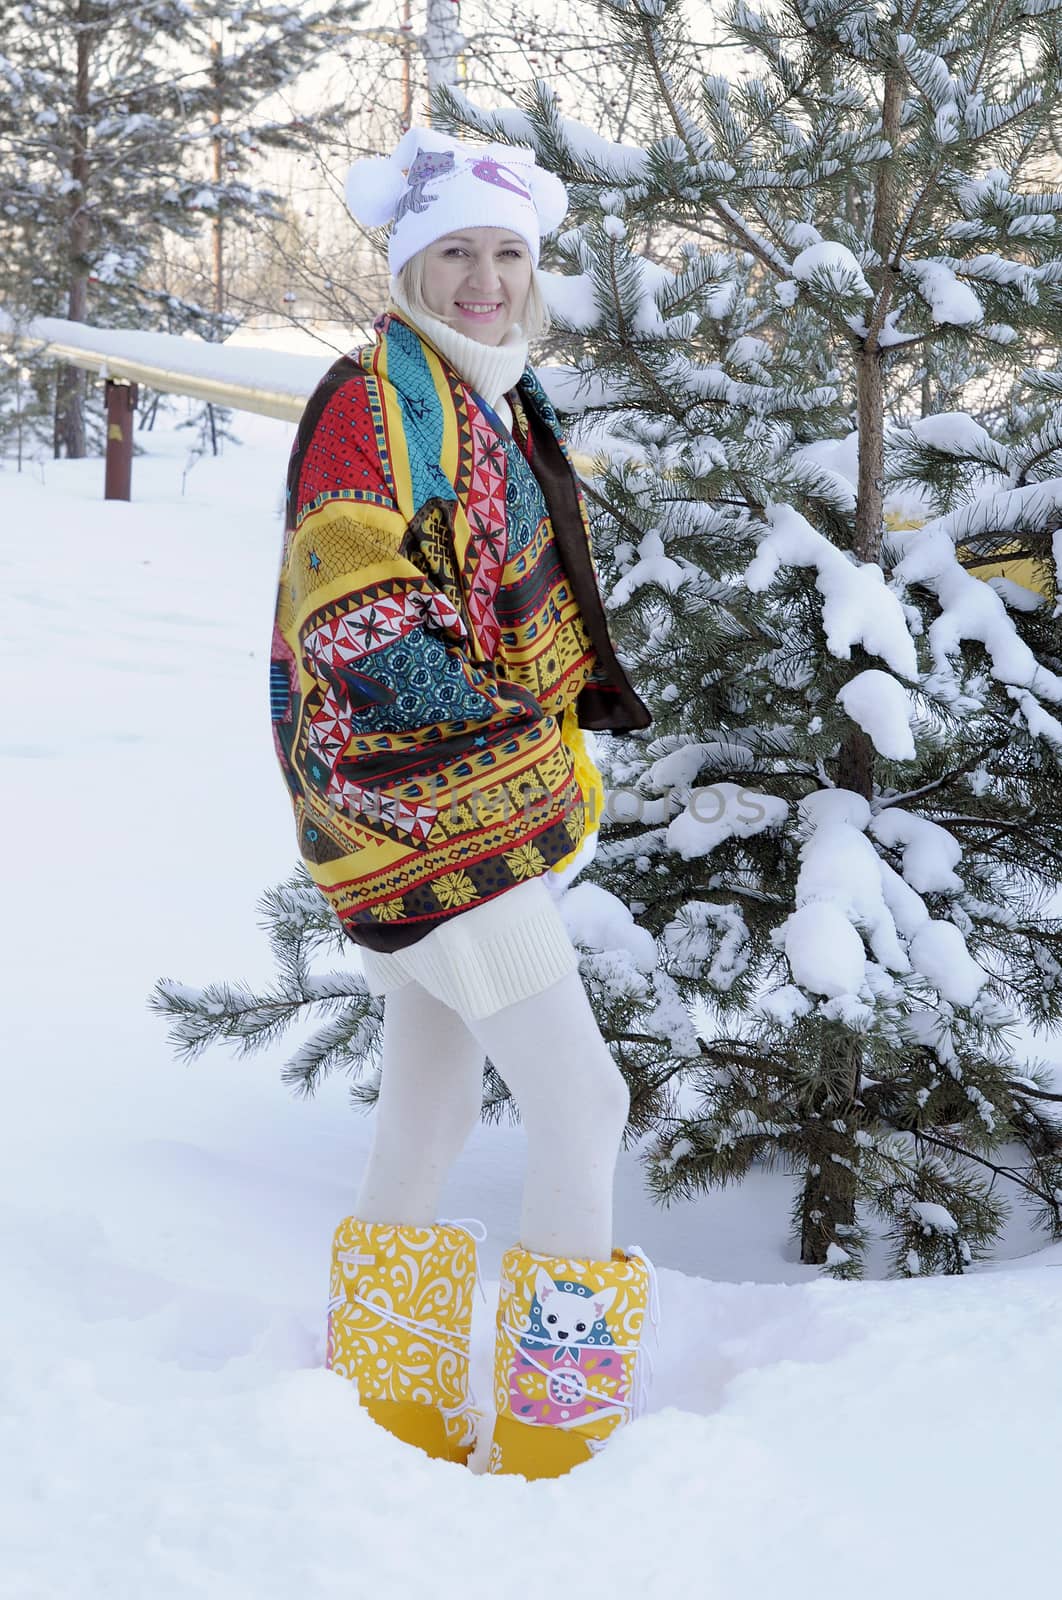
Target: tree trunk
69,433
407,71
439,45
217,228
828,1198
69,438
828,1201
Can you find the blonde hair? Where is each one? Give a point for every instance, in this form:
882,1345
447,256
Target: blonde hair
535,322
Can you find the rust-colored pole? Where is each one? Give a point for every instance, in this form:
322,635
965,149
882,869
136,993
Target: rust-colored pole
118,475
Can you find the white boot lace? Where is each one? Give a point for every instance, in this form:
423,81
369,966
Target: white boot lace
609,1404
464,1223
645,1366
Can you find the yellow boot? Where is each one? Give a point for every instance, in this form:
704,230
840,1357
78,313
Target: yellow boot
569,1364
399,1324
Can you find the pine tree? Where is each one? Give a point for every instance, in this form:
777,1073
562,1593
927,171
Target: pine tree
107,114
869,828
827,400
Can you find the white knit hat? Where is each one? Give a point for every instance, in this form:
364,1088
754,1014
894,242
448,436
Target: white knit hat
433,184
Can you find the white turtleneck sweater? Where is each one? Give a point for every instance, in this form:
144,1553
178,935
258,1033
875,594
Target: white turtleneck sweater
492,370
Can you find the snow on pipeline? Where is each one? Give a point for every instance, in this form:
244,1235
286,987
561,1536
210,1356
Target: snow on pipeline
166,1424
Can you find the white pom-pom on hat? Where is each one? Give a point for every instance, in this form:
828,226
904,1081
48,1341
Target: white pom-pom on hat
550,197
373,188
375,184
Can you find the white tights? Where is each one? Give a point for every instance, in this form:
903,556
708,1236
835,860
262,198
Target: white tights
573,1104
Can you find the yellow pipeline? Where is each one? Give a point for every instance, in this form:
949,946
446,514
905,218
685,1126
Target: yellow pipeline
1027,574
98,351
167,362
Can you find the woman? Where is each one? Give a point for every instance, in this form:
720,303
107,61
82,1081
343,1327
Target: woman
439,643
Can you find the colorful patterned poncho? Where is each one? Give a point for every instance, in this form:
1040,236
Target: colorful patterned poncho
439,640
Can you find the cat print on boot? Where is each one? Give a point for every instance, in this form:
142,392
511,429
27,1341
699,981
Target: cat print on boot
566,1369
568,1313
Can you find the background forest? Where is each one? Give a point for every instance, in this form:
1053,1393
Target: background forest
807,312
806,343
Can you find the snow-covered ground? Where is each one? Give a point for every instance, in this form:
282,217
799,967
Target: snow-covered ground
166,1427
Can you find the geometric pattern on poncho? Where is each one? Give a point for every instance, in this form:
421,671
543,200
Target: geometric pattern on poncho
429,644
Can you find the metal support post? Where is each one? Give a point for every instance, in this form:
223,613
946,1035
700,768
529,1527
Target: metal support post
121,403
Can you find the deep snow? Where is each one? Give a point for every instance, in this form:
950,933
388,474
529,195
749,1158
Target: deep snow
166,1428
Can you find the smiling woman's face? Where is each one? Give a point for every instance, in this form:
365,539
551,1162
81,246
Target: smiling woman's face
477,279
